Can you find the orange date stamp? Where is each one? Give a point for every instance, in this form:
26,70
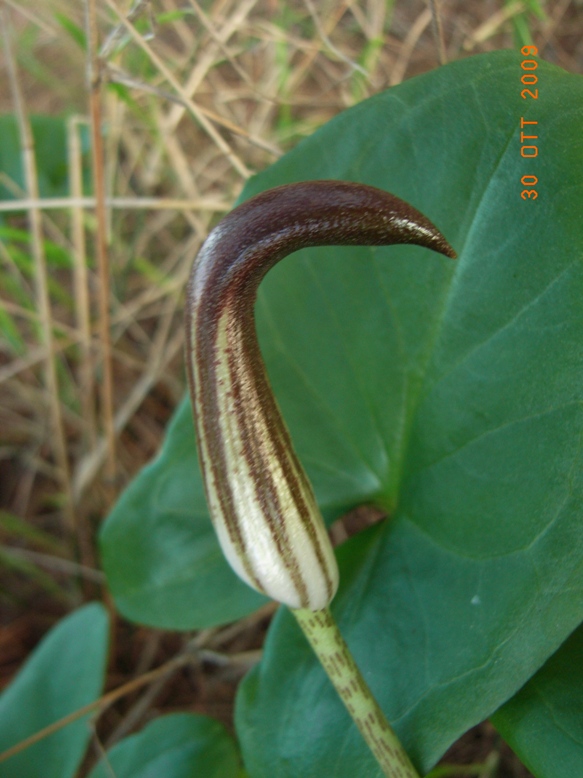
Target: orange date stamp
529,129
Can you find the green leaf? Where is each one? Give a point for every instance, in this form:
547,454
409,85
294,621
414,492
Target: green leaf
75,32
10,337
16,527
49,133
64,673
56,255
447,393
180,745
543,723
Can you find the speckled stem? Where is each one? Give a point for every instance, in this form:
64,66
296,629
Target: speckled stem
261,502
323,634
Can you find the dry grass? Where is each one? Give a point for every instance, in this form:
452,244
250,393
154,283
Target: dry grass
202,100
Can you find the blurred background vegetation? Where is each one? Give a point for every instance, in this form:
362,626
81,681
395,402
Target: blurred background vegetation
192,98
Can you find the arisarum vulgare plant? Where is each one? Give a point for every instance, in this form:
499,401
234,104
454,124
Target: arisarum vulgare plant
450,398
261,502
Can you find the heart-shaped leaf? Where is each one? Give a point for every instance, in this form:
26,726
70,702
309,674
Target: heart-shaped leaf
64,673
448,393
180,745
544,722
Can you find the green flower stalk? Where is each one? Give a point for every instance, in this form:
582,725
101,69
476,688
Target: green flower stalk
261,502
